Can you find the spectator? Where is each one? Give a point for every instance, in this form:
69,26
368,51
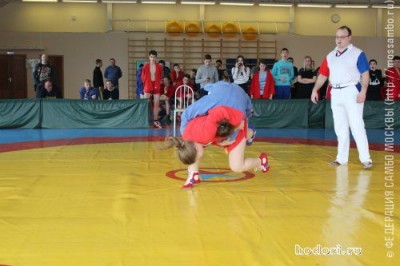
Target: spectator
241,73
110,93
305,80
375,82
87,92
221,71
206,74
393,80
176,75
293,82
283,73
42,72
49,90
139,83
180,95
165,69
113,73
167,93
98,82
262,84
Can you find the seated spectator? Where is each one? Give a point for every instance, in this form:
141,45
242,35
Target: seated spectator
87,92
176,75
192,82
110,93
49,90
305,80
188,95
167,93
262,84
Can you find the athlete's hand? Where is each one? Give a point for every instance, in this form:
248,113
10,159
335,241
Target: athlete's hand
226,142
361,97
314,96
241,126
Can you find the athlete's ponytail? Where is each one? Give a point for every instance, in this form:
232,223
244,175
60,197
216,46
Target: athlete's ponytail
185,150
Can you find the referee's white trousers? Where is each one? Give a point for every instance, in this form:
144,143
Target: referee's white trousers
348,114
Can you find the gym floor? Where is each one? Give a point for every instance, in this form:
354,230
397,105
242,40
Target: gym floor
109,197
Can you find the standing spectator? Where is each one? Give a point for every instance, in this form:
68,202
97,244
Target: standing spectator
98,82
241,73
139,83
113,73
347,68
49,90
151,77
375,82
42,72
393,80
262,84
110,93
293,82
283,73
87,92
305,80
165,69
221,71
206,74
176,75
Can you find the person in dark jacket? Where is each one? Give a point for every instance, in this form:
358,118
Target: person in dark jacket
42,72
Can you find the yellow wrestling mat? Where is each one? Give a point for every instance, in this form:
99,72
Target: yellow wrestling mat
121,205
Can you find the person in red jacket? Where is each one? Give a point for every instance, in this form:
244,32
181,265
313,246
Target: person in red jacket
177,75
393,80
262,84
167,93
181,93
222,126
151,77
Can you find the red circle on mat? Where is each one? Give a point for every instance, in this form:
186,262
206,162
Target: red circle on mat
175,174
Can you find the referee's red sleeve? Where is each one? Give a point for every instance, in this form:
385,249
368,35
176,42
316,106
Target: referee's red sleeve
324,69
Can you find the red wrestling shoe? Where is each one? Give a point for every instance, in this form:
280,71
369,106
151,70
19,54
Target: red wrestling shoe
264,162
193,179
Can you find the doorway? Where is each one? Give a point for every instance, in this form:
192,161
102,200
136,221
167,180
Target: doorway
13,83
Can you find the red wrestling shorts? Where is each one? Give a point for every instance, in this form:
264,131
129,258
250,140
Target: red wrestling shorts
152,88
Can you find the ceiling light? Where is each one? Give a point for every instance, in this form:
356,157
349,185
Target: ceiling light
235,4
119,1
276,5
79,1
315,5
159,2
196,3
385,6
351,6
41,1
